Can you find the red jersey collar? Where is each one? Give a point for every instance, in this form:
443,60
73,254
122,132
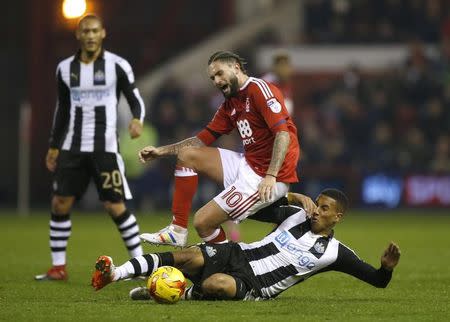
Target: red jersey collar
246,83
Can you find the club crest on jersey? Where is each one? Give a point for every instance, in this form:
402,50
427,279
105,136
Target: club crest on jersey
211,251
319,248
247,104
99,76
274,105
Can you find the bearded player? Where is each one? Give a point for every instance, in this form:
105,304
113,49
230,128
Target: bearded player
253,179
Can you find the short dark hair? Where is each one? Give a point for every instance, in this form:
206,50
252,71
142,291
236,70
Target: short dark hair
90,16
229,57
337,195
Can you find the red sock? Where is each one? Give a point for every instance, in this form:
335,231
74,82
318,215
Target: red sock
186,181
217,237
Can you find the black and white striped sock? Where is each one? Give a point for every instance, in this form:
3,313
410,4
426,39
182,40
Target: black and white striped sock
129,230
60,229
143,265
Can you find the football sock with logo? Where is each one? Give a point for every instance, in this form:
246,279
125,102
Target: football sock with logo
186,182
60,229
217,237
129,230
143,265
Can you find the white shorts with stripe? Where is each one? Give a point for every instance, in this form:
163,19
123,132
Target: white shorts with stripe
240,198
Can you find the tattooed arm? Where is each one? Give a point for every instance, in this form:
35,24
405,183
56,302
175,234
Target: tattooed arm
150,152
280,146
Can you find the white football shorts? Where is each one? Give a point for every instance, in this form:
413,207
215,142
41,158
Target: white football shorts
240,198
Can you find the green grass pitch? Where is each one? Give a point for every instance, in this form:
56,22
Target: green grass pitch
419,290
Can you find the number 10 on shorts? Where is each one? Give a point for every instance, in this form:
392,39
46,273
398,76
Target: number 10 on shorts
232,197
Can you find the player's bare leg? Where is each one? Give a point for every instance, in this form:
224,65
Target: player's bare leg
207,222
220,286
191,160
60,229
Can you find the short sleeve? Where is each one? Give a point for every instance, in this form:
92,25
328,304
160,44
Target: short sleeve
269,101
220,124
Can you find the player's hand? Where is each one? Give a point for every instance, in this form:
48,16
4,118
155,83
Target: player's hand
306,202
135,128
390,257
266,188
149,153
50,159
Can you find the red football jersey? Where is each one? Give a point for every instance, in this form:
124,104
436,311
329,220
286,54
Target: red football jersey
285,88
258,113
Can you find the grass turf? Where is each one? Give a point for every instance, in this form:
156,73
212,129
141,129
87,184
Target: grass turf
419,289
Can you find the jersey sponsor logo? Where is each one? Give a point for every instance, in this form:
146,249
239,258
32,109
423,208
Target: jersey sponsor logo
211,251
283,239
99,76
274,105
245,131
97,94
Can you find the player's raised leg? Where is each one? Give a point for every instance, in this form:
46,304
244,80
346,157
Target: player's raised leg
60,229
191,160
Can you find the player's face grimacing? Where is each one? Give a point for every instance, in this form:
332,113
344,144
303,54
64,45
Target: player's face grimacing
325,216
224,77
90,33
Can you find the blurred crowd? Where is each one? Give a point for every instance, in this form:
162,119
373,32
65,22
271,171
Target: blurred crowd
397,120
381,21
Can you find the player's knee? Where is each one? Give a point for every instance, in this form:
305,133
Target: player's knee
115,209
218,286
61,205
188,157
201,225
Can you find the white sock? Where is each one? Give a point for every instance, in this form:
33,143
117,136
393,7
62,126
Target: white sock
124,271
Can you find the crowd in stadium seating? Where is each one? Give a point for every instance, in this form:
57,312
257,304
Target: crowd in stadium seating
381,21
397,120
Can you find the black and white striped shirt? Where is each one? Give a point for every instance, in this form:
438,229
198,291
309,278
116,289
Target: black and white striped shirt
292,253
85,118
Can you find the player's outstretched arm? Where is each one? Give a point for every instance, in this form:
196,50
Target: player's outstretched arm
150,153
348,262
390,257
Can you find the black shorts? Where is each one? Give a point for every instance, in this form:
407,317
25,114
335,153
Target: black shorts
75,170
229,259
